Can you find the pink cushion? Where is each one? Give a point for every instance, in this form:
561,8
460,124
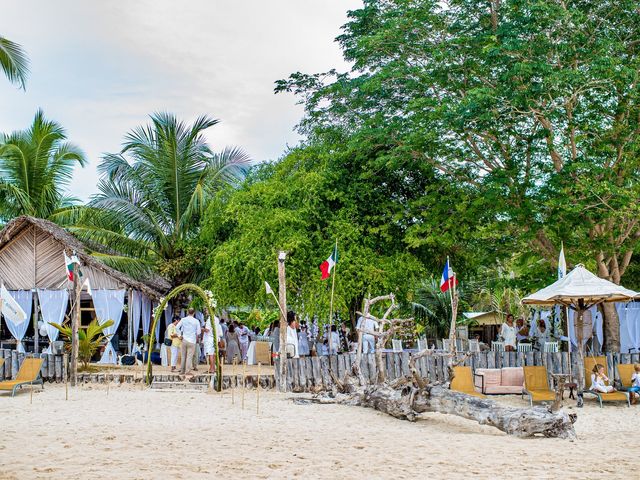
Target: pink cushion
503,390
512,377
492,377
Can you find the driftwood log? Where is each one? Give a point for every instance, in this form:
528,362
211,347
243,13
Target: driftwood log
405,401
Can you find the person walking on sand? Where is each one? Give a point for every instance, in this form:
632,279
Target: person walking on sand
176,343
189,330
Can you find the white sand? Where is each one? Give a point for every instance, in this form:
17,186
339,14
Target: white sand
134,433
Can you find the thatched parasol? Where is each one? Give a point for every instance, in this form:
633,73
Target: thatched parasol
580,290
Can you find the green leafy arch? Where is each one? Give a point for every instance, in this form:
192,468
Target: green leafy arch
210,310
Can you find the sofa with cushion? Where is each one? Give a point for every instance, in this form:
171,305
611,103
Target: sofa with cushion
508,380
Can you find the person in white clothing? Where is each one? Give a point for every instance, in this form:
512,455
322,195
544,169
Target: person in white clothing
368,340
599,380
292,335
303,341
189,330
334,340
208,341
508,333
243,339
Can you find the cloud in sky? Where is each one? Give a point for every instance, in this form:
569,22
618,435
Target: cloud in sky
99,68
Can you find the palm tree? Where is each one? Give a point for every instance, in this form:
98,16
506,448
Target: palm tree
35,166
154,192
13,62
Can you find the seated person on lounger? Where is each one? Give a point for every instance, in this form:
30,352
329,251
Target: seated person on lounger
635,383
599,380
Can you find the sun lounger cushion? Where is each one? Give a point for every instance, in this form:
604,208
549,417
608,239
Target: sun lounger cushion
463,383
508,380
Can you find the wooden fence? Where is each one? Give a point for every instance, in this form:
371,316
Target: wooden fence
51,367
306,373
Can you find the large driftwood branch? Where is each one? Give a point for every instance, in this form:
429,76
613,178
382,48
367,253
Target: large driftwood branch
406,402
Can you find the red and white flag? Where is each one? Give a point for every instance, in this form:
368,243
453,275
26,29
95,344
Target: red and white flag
329,263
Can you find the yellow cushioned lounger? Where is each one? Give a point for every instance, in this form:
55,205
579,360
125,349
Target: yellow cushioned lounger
625,370
463,382
29,374
536,385
589,363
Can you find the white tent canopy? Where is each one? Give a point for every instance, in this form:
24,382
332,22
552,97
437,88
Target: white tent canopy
580,284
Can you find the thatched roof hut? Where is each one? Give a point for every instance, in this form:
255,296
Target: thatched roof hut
31,256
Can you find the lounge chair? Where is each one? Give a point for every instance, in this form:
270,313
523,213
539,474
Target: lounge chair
29,374
536,385
618,396
463,382
625,370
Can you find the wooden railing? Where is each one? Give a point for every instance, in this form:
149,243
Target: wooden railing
307,373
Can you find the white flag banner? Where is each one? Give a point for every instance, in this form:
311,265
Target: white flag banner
268,288
10,308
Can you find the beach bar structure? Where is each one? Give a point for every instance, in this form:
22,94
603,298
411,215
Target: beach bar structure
33,269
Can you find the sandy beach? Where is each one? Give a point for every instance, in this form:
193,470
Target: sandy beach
135,433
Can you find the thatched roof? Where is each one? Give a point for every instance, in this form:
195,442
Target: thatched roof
153,285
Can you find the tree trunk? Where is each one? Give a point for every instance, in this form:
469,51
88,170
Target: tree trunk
611,328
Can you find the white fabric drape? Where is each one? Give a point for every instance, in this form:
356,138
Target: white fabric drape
596,316
108,305
146,314
168,318
53,305
629,315
25,300
135,311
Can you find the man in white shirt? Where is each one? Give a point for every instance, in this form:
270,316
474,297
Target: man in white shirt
368,340
189,330
292,335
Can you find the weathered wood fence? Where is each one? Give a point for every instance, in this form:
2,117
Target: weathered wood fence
52,368
307,373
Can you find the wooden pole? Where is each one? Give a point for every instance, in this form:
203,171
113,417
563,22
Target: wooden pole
235,379
36,333
65,374
282,291
258,391
244,374
333,287
75,323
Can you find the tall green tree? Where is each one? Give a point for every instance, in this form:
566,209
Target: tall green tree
533,105
13,62
36,166
153,193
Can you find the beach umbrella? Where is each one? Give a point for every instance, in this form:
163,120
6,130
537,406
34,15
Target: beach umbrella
580,290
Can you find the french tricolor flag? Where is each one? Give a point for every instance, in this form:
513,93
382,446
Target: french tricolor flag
448,279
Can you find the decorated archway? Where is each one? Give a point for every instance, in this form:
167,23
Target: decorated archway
210,306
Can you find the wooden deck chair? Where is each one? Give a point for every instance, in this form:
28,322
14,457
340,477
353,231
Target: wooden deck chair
29,374
550,347
536,385
397,345
589,363
463,382
625,370
263,353
525,347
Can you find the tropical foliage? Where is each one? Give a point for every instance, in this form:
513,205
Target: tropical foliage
89,339
153,193
13,62
36,166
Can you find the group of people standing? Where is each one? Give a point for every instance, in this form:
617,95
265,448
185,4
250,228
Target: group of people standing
512,334
188,336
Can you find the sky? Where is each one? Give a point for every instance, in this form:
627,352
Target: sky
100,68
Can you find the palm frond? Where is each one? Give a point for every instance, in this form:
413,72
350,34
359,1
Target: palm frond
14,62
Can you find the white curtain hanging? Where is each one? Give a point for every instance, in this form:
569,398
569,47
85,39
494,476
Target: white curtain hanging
53,305
629,315
25,300
135,311
168,318
596,317
108,305
146,314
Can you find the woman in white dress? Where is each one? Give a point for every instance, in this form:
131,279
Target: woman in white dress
303,342
208,343
508,333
